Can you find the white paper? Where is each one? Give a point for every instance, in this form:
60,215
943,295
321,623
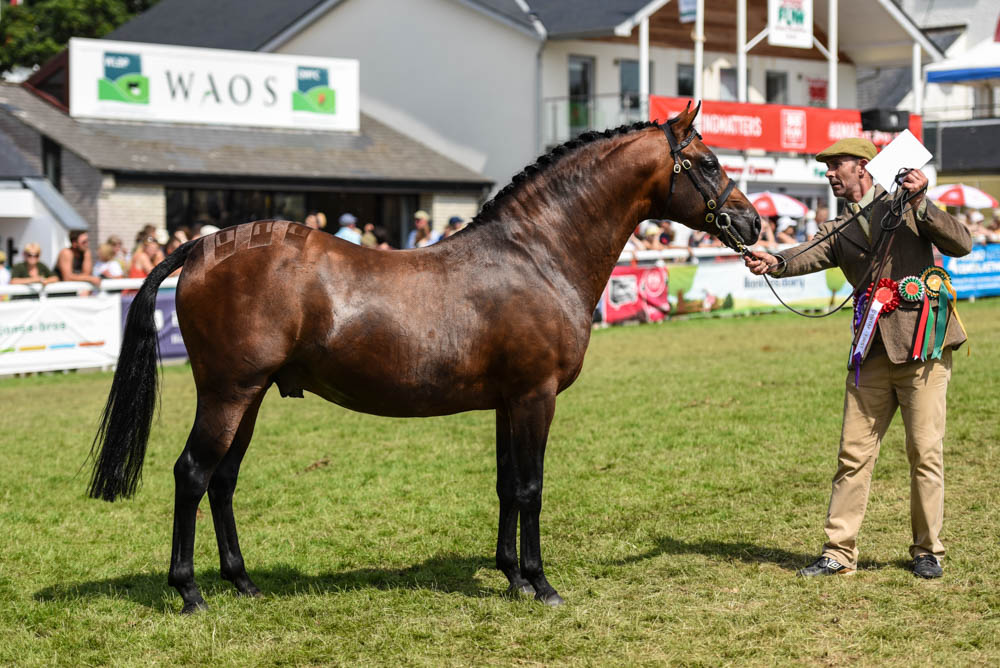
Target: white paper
905,151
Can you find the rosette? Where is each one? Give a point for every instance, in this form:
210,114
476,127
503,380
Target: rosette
911,289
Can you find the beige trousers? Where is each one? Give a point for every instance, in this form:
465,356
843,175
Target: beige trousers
919,390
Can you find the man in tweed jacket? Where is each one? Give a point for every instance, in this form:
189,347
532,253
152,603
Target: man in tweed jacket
888,377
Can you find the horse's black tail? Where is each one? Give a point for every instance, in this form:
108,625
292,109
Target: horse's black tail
120,444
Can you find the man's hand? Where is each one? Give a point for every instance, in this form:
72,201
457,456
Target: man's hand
759,262
915,182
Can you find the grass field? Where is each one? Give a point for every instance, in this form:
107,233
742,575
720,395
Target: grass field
687,478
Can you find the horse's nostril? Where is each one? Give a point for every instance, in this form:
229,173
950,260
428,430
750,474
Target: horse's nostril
756,225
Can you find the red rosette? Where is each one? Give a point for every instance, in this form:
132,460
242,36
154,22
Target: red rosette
887,293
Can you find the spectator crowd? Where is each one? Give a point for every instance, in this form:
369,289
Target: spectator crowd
112,259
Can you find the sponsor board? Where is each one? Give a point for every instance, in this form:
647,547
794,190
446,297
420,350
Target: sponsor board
161,83
59,333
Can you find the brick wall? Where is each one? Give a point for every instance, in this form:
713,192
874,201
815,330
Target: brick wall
124,209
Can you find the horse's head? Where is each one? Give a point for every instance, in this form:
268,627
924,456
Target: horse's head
697,191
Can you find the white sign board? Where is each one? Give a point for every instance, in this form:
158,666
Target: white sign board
903,152
154,82
59,333
790,23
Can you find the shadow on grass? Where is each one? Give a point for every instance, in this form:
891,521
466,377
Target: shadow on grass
741,551
448,573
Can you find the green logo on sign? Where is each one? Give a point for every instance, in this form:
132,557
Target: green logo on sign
314,93
123,80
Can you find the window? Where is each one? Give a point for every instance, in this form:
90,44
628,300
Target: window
727,85
777,87
685,80
52,162
628,77
581,94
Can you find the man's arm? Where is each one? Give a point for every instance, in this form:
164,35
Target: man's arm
65,264
940,227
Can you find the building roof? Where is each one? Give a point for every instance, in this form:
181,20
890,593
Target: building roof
565,19
255,26
12,165
376,154
220,24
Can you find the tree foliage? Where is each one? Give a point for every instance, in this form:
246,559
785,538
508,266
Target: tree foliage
32,33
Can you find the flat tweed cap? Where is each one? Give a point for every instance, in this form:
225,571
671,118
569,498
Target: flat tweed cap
859,148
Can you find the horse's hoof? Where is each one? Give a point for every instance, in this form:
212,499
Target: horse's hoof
516,591
191,608
552,599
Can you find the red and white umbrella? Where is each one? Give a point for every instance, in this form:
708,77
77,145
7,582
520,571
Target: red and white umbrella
959,194
776,204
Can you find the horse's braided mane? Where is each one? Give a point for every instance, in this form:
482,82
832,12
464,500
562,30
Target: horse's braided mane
552,157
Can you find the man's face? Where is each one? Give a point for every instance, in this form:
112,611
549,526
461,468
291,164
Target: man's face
844,173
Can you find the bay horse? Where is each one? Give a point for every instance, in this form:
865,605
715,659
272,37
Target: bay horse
495,317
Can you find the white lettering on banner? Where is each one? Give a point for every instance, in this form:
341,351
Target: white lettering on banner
731,124
793,128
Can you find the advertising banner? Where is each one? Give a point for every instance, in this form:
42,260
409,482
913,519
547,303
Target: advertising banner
154,82
59,333
636,293
167,329
650,294
977,274
790,23
773,127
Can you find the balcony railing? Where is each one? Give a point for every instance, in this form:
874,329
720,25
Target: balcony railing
566,117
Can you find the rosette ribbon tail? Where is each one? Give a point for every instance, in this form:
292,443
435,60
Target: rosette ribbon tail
918,342
941,324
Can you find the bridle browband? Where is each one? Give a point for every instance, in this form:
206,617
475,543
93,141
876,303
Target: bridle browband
681,164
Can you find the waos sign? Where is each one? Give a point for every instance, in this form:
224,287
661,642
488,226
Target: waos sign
152,82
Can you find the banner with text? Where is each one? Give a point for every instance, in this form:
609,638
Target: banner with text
155,82
59,333
978,273
773,127
649,294
165,317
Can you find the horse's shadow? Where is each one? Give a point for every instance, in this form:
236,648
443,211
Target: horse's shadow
445,573
742,551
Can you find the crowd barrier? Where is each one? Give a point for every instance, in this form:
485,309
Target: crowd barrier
52,328
649,286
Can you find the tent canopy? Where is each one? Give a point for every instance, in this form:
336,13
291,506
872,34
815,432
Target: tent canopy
978,65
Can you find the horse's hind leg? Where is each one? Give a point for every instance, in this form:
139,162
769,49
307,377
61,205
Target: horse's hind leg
220,495
530,417
506,492
215,425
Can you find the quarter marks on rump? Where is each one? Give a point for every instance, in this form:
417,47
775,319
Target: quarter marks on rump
259,234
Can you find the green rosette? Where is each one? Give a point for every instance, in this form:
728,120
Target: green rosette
911,289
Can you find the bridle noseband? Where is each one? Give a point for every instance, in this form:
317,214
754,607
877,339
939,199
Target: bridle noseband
681,164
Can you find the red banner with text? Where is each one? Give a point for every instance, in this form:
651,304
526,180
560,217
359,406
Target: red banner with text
773,127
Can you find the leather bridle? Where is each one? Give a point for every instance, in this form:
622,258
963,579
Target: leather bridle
713,205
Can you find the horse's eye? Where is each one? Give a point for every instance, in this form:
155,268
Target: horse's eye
711,164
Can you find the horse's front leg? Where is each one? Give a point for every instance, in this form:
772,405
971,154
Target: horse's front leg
530,418
506,492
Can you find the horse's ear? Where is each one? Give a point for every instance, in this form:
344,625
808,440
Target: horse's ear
696,110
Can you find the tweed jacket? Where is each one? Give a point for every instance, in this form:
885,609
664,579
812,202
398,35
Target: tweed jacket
909,255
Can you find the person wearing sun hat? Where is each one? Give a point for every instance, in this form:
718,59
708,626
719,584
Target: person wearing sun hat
889,366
